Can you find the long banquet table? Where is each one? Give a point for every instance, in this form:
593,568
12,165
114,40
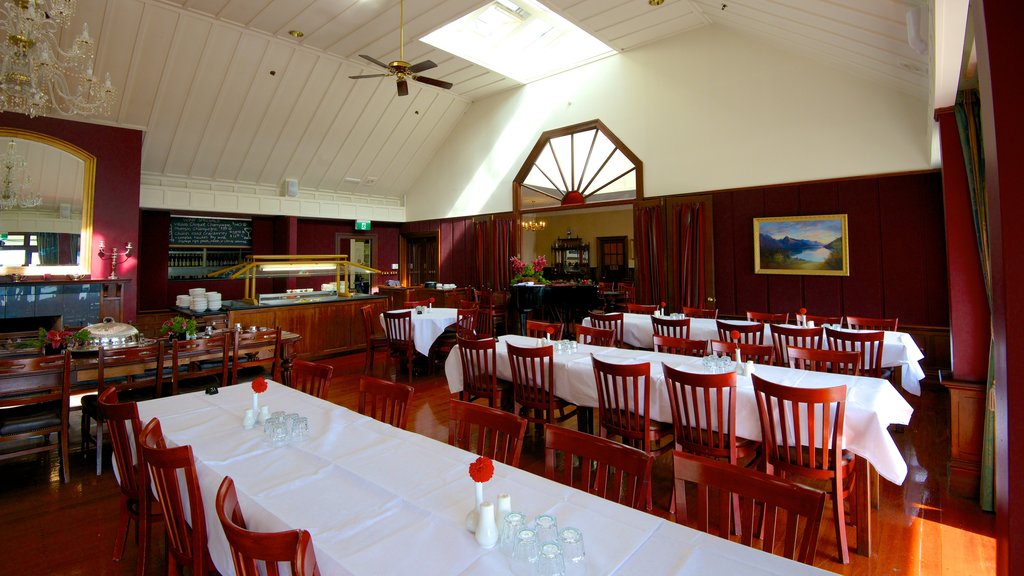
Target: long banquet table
379,500
899,351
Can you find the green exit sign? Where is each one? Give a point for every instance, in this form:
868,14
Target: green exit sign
362,224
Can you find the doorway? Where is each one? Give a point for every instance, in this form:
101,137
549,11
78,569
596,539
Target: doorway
420,254
611,258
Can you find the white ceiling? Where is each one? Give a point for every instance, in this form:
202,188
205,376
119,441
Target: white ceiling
224,93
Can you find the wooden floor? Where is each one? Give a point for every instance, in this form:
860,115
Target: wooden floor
47,527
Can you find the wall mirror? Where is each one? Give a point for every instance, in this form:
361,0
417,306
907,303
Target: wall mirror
46,205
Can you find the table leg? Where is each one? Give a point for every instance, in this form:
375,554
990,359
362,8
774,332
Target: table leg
863,472
585,419
287,356
874,489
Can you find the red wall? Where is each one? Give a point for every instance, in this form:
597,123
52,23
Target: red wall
455,245
115,220
897,249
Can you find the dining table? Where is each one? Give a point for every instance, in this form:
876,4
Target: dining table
899,350
872,404
379,500
428,324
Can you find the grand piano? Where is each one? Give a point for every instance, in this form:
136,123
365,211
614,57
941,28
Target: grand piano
556,302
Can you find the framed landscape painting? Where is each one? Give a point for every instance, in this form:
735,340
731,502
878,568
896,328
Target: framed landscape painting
814,245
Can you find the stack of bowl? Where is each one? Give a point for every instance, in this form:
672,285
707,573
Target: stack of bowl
199,301
183,301
213,300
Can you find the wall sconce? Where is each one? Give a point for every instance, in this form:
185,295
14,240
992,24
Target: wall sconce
115,257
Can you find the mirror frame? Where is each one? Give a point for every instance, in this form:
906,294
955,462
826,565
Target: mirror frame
84,265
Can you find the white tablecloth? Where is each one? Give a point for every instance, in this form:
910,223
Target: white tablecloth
428,326
898,349
872,403
379,500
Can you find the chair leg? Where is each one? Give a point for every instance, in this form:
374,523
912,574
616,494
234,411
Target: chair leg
85,432
99,447
122,530
839,514
64,464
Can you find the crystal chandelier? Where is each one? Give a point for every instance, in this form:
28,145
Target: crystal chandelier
36,75
14,181
534,225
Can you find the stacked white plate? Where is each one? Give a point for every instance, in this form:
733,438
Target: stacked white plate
193,292
213,300
199,303
183,301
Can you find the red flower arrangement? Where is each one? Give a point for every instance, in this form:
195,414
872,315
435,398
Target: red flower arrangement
549,330
259,385
735,334
482,469
663,304
431,299
802,311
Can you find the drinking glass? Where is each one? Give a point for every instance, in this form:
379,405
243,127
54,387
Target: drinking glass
268,427
525,553
550,561
514,522
571,541
279,434
300,428
547,528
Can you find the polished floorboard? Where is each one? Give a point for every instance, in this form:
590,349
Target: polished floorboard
47,527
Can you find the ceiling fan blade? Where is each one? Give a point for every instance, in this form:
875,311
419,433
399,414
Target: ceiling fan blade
368,76
433,82
403,88
374,60
425,65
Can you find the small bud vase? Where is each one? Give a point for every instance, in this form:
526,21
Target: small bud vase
474,514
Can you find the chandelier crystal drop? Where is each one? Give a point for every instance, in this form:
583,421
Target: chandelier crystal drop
14,182
37,76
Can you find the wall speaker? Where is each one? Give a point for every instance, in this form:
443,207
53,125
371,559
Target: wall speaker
65,211
290,188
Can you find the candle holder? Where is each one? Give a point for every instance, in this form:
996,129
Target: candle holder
115,257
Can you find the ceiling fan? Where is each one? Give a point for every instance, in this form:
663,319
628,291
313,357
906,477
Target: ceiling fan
401,69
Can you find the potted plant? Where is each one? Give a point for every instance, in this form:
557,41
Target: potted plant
179,328
532,272
56,341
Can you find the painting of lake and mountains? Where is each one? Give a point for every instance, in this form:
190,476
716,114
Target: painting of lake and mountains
801,245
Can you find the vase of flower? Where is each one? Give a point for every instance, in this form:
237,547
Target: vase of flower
474,514
480,471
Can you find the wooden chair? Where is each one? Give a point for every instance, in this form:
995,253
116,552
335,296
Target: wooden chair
757,499
823,320
768,317
627,294
867,344
465,324
479,371
168,471
758,353
398,328
865,323
124,369
533,385
613,321
375,339
122,420
802,434
674,327
311,378
603,287
711,313
683,346
201,358
385,401
261,348
595,336
486,431
597,465
538,329
648,309
34,396
785,337
410,304
748,333
258,553
817,360
493,307
468,304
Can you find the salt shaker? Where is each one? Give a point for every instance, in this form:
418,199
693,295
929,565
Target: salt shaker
486,528
249,422
504,507
264,413
750,367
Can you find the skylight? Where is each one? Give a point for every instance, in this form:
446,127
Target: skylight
521,39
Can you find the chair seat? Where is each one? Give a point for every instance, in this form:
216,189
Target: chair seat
657,431
28,418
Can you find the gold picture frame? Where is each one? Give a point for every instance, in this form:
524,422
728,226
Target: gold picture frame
805,245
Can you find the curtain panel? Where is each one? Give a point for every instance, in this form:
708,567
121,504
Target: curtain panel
649,246
504,249
687,223
481,251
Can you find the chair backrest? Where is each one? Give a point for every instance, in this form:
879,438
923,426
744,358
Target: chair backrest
701,312
745,333
613,321
468,304
258,553
370,326
124,427
533,381
820,320
538,329
597,465
627,292
603,287
867,344
312,378
212,349
45,383
486,431
684,346
624,401
802,428
385,400
415,303
757,491
768,317
703,412
641,308
398,329
784,337
465,322
167,470
123,366
479,370
595,336
674,327
816,360
259,348
757,353
865,323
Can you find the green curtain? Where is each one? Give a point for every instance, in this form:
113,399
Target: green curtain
968,121
48,245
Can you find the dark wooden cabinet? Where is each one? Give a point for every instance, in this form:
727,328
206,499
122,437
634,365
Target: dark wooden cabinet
966,428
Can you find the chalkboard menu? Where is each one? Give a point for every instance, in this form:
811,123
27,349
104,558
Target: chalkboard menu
210,232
